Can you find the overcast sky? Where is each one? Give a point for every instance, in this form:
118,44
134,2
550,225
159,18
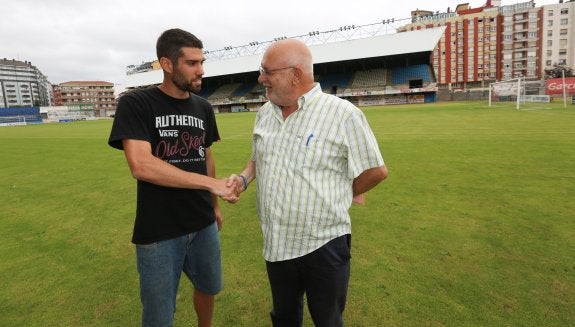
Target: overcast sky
69,40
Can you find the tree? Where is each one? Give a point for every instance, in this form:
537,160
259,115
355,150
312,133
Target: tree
557,71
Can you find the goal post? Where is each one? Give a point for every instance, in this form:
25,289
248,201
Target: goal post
509,90
519,92
12,120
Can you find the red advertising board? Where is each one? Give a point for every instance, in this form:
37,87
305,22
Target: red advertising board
555,85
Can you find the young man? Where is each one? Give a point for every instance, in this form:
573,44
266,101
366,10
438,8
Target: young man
314,152
166,133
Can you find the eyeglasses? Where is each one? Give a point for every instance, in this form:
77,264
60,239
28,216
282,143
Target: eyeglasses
268,72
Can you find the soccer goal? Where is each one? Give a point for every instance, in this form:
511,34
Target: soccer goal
12,120
519,94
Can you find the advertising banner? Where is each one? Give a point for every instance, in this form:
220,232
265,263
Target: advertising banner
555,85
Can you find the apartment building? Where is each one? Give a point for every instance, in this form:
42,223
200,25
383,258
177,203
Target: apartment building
466,55
495,42
84,94
521,35
23,85
559,34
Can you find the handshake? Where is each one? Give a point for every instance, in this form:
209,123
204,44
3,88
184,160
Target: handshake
229,189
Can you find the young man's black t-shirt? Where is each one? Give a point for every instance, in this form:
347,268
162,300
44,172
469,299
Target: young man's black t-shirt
179,131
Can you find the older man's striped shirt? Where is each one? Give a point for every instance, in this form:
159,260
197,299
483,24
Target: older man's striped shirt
305,166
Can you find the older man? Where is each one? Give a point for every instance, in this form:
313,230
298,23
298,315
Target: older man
313,152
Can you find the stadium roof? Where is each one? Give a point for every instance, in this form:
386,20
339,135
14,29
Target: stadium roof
379,46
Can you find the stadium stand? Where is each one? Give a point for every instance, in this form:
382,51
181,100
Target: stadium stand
330,83
369,78
207,90
381,70
224,91
243,90
257,92
402,75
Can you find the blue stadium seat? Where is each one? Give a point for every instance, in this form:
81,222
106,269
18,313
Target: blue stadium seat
402,75
339,80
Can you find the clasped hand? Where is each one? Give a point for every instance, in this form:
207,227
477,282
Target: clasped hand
233,187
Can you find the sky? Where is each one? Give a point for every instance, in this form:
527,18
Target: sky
86,40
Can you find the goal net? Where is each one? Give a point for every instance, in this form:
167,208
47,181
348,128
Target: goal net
519,94
12,120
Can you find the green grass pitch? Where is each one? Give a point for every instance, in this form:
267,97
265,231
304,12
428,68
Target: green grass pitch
475,225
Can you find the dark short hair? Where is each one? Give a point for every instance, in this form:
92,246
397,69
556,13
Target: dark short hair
171,42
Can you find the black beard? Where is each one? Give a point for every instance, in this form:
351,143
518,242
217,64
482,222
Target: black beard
184,85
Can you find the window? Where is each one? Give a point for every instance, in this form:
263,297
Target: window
549,33
549,53
562,52
563,31
550,13
548,63
563,42
564,21
549,43
564,11
549,23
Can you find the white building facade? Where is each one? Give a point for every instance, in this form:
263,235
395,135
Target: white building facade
559,34
23,85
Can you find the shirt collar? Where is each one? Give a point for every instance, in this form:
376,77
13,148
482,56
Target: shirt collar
305,98
308,96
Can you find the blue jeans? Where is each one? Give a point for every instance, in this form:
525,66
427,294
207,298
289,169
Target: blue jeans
322,275
160,266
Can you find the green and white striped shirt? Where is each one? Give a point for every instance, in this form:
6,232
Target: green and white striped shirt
305,166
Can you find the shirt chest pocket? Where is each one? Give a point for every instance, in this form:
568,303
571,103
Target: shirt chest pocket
317,154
